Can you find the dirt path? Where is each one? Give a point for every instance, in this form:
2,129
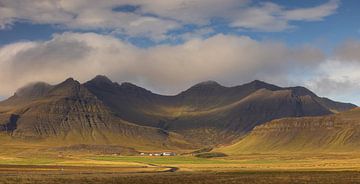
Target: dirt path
170,168
61,169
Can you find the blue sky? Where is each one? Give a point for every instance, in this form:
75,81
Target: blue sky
341,25
316,34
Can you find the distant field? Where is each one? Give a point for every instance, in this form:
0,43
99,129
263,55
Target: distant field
295,162
259,162
49,167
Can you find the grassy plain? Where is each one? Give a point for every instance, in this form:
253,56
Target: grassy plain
26,163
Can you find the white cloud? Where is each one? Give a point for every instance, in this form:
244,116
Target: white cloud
191,11
84,14
273,17
155,18
313,13
264,18
337,79
168,69
230,60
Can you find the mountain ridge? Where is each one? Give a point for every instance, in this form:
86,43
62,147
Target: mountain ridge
205,114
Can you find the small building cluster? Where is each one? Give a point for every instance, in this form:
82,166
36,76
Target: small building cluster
159,154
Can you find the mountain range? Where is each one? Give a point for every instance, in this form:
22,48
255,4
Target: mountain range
101,111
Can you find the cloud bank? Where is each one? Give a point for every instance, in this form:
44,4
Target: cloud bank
166,68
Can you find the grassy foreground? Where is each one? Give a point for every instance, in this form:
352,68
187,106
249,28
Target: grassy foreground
190,178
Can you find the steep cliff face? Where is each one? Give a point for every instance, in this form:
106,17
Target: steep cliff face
128,101
332,133
69,114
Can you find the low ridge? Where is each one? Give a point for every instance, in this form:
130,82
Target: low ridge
332,133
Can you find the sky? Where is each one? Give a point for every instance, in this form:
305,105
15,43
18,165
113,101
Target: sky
167,46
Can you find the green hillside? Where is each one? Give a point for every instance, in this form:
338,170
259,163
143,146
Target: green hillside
332,133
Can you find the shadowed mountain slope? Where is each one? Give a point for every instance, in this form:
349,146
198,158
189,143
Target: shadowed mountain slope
209,113
331,133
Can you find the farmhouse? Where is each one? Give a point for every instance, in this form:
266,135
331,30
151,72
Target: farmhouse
159,154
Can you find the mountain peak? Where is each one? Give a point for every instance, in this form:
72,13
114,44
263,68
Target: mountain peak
302,91
31,90
70,81
128,84
205,87
101,82
207,84
67,88
101,79
133,87
258,84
